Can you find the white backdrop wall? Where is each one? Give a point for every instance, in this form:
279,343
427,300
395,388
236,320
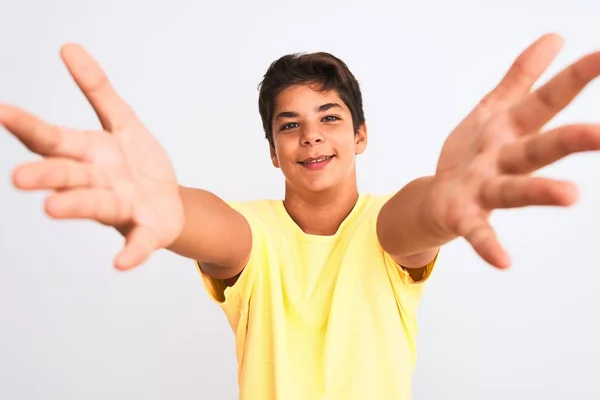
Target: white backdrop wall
71,327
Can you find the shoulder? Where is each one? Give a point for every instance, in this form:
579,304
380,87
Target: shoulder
371,204
377,199
362,219
264,210
261,217
264,217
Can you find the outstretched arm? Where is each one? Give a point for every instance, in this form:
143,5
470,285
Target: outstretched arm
122,177
487,161
407,230
213,233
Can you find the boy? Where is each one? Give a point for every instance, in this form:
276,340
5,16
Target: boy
322,288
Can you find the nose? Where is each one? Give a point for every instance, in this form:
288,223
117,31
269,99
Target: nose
311,136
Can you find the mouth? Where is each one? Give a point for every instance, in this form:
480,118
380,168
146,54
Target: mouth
315,163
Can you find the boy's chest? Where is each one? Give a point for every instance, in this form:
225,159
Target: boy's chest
317,279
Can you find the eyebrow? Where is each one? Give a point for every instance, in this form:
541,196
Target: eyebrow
321,108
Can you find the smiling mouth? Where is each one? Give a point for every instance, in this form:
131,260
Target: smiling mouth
316,160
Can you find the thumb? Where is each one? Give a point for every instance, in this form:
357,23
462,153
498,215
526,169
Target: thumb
482,237
140,242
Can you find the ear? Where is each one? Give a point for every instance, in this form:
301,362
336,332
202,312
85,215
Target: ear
274,159
360,139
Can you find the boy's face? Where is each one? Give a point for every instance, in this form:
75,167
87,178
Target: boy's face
313,135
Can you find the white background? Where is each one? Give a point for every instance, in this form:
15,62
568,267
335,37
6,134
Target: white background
71,327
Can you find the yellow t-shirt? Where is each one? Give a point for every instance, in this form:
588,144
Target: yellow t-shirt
321,317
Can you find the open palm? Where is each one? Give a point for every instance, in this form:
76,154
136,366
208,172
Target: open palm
487,161
120,176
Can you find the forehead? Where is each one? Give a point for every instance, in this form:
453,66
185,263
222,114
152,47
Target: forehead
304,98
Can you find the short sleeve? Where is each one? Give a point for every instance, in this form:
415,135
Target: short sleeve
232,298
406,278
389,261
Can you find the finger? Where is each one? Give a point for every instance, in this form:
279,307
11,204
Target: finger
100,205
139,245
481,236
525,70
43,138
542,105
522,191
535,152
114,113
58,173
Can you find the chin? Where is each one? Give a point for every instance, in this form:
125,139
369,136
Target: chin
317,182
318,185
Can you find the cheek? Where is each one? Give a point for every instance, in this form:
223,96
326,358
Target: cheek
345,145
285,152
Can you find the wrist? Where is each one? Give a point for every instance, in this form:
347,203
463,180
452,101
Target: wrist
433,212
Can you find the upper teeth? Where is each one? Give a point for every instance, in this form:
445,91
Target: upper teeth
317,160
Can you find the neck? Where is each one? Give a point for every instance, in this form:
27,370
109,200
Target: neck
321,213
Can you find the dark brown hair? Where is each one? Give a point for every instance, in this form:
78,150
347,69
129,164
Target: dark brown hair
323,69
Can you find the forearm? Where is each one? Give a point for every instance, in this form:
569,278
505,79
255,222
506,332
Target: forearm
213,232
406,227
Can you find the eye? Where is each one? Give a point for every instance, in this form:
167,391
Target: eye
330,118
289,126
